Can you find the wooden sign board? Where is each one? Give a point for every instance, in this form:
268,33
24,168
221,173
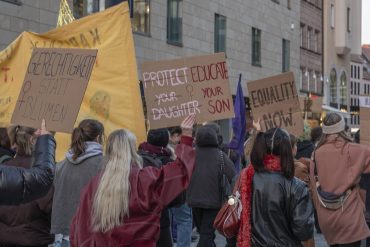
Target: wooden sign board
177,88
365,120
53,88
275,101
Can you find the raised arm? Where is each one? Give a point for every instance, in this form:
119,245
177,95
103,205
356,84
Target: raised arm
18,185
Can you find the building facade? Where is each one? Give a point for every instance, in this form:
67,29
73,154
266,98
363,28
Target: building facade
342,40
260,38
356,89
311,48
17,16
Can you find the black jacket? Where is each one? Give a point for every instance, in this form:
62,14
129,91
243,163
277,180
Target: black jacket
19,185
204,188
282,212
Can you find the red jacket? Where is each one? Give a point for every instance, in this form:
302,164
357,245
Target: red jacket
151,190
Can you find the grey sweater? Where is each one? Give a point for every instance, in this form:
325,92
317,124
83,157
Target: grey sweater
70,178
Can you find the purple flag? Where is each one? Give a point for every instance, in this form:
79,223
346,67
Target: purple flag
239,122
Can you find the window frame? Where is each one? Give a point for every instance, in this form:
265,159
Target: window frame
216,38
256,38
148,32
348,20
168,38
285,55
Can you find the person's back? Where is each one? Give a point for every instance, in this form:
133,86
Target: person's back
277,209
274,199
122,205
82,163
335,176
27,224
204,188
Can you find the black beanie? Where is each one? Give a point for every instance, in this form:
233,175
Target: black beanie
158,137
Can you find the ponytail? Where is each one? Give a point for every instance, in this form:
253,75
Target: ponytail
259,151
87,130
78,145
286,157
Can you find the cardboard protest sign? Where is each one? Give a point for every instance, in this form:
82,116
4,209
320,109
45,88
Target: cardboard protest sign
308,104
275,101
195,85
365,120
53,88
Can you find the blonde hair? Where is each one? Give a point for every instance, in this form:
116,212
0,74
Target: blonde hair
21,137
111,201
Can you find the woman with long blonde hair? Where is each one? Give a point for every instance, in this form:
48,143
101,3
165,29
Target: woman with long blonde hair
122,205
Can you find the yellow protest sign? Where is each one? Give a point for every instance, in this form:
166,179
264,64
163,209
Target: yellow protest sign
113,94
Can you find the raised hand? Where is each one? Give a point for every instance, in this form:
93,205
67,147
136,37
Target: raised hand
257,124
187,125
42,130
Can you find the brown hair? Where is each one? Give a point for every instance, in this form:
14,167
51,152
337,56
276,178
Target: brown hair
293,140
21,137
331,119
4,138
87,130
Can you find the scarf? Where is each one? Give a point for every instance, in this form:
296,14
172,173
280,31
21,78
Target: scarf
272,164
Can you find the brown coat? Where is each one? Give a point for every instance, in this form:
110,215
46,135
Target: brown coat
339,166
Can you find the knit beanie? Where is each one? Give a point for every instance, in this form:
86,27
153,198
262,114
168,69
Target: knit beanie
158,137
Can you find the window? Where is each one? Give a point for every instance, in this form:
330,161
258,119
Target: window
301,33
351,72
276,1
141,16
316,41
17,2
358,72
332,16
220,33
82,8
348,18
343,89
286,55
174,22
333,86
305,80
289,4
351,87
309,29
256,47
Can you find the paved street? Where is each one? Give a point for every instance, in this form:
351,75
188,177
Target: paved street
220,241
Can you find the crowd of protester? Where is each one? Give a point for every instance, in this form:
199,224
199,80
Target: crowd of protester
170,186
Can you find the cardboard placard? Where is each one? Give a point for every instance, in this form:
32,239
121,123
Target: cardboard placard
53,88
365,120
194,85
311,104
275,101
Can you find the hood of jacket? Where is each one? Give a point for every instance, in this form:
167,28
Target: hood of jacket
91,149
206,137
160,151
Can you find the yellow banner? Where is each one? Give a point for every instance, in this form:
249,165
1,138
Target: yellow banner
113,94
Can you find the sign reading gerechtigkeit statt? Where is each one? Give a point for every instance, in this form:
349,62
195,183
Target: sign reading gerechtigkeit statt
274,100
177,88
53,88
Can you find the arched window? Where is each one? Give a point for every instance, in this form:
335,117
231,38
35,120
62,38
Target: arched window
333,86
343,89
